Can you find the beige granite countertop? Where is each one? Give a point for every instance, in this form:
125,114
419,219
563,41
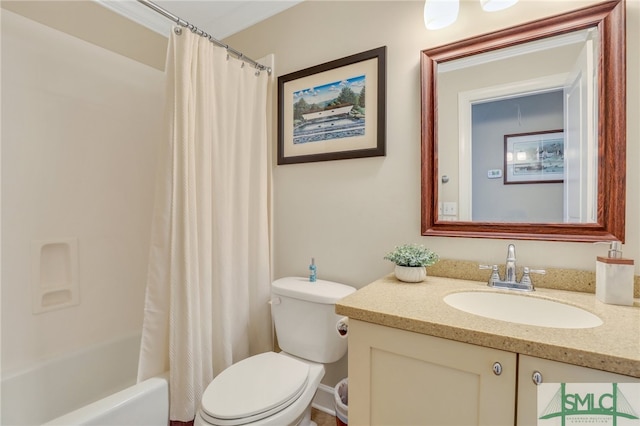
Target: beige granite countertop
614,346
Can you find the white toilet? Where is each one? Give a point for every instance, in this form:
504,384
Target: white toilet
278,388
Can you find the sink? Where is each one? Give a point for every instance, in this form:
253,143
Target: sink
521,309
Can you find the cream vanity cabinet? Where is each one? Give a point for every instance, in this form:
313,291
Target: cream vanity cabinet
547,371
398,377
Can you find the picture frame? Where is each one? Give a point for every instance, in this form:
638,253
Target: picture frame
334,111
535,157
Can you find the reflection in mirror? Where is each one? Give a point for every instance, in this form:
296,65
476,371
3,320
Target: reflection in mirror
499,93
519,133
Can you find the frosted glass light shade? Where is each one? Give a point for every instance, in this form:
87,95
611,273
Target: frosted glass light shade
494,5
440,13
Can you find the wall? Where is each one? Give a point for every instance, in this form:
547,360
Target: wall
79,139
89,21
348,214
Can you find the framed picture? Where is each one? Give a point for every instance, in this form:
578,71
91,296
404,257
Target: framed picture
333,111
534,157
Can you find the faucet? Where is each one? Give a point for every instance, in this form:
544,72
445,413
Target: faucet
510,280
510,265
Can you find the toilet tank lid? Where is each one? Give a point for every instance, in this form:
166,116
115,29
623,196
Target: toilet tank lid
321,291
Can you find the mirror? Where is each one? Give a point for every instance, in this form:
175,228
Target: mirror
532,173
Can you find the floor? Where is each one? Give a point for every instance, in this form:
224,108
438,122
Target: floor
322,418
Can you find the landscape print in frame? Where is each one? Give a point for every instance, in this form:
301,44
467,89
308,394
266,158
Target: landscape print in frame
333,111
536,157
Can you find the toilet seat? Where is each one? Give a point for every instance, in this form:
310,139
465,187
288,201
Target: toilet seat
254,389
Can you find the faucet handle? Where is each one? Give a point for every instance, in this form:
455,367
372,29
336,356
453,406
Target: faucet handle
526,278
535,271
495,276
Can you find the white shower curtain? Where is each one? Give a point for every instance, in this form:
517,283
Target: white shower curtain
209,281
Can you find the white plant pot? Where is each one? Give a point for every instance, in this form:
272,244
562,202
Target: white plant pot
411,274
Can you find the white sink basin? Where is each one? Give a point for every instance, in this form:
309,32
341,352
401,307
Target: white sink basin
517,308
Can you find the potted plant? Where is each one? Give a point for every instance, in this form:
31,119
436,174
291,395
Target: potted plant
411,262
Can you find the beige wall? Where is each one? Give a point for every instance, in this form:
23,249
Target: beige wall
89,21
349,213
79,138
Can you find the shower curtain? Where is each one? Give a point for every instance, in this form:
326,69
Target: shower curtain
208,280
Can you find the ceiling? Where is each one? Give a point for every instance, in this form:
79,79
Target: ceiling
220,18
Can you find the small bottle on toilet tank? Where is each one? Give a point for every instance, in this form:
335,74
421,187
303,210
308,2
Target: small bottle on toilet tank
312,271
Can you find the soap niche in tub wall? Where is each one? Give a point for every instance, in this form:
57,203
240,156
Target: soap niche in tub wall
54,274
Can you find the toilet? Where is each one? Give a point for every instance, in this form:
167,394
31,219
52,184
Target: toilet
278,388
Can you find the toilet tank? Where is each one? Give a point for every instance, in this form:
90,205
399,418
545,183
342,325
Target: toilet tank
305,318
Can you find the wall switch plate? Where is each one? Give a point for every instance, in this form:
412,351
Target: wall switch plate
494,174
450,208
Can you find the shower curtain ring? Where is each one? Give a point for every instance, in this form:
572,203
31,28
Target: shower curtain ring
177,30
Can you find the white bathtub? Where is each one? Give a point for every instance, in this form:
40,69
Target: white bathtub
94,386
144,404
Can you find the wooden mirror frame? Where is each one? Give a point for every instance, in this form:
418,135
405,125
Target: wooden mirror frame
610,18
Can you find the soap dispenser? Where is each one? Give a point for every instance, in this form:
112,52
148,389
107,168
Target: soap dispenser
614,277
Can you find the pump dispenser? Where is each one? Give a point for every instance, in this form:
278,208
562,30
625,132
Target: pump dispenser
615,250
614,277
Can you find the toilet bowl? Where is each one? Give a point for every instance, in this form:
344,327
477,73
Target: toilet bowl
267,389
278,388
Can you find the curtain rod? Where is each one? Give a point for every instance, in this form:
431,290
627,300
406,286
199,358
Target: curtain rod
201,33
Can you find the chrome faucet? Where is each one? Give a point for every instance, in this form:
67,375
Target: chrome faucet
510,280
510,265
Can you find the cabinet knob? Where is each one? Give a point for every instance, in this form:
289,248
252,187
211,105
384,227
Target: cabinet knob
497,368
536,377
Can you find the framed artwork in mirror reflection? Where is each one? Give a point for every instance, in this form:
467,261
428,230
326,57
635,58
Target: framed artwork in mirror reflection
536,157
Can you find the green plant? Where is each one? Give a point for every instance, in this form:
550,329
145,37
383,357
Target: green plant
412,255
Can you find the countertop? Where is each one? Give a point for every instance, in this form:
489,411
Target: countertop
613,346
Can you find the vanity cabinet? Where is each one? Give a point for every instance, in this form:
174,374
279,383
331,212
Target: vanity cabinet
398,377
553,372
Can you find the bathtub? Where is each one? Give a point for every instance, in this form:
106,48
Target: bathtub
144,404
93,386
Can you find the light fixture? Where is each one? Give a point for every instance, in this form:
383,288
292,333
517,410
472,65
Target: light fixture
495,5
440,13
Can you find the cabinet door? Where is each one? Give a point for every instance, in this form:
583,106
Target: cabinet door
401,378
553,372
